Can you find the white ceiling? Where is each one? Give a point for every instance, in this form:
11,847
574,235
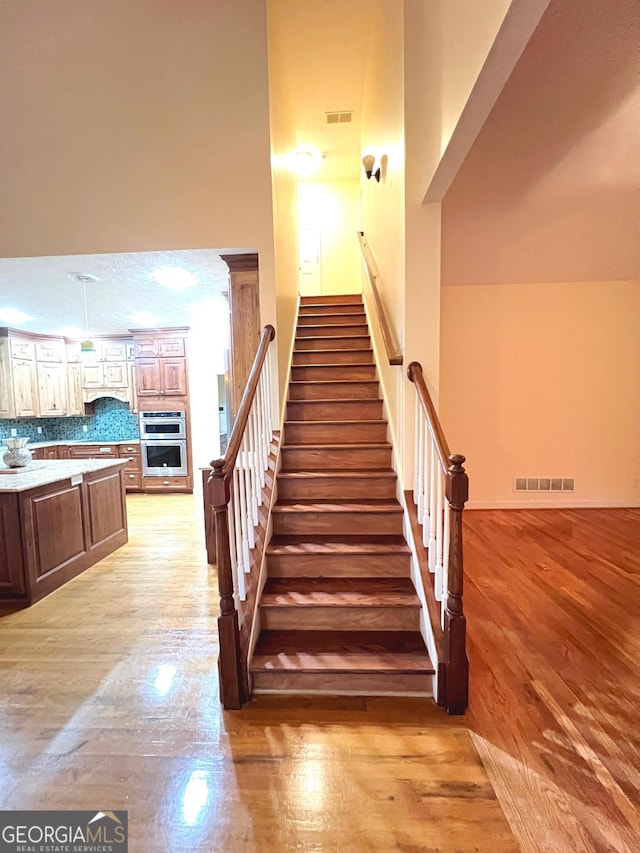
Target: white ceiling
43,288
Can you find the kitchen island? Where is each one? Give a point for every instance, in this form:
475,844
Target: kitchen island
58,518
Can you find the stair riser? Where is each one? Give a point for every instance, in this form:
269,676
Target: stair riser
349,524
333,357
331,309
334,331
333,391
335,566
332,372
334,299
334,433
325,488
331,319
348,458
362,341
335,618
343,683
341,410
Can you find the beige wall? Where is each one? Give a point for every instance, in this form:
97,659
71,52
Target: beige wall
383,204
543,380
332,209
540,321
285,194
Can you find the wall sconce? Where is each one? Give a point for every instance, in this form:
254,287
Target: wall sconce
369,161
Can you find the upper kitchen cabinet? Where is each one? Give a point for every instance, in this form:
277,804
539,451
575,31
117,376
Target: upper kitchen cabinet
106,371
33,380
161,363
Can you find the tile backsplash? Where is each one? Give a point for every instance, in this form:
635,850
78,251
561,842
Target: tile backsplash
113,421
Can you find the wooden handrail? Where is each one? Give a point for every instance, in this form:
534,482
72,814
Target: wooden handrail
445,528
414,372
233,678
240,424
394,353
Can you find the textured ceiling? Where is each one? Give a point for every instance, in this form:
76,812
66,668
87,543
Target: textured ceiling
42,288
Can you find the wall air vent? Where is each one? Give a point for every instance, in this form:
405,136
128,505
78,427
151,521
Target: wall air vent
544,484
339,118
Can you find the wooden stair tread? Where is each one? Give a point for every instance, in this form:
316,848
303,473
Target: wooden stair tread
354,444
339,651
329,351
333,402
339,592
338,473
343,545
337,505
352,421
333,382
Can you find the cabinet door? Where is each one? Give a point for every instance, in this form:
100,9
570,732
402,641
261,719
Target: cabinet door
92,375
114,351
115,374
25,388
173,376
52,389
147,377
144,347
133,396
22,350
170,347
50,351
74,390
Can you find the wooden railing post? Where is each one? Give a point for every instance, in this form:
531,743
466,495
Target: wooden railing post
231,691
455,627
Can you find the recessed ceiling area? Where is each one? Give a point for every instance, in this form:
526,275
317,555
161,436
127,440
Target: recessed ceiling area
47,289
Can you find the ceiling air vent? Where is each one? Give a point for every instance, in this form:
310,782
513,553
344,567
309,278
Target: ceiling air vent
339,118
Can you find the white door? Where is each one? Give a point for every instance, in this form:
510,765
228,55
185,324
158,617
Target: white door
310,279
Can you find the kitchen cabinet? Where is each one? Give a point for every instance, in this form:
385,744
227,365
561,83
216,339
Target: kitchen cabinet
45,452
169,346
105,375
133,468
52,389
33,375
75,405
93,451
161,377
25,388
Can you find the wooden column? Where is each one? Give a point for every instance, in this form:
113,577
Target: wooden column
231,694
455,625
244,303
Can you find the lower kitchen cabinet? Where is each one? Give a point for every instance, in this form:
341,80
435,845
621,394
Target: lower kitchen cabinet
167,484
133,469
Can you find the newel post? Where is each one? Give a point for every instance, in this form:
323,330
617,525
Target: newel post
455,626
231,694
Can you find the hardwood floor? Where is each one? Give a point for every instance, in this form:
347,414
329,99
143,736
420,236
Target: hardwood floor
108,699
553,605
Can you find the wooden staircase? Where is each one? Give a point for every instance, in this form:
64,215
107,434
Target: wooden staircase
339,612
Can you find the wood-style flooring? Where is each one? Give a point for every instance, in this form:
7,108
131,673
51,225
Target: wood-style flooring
108,700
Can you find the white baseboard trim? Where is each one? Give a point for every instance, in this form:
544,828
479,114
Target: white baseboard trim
533,504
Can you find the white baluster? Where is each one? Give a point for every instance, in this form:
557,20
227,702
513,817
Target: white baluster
445,557
262,464
437,581
426,455
244,527
253,463
433,470
269,404
421,484
246,491
416,455
237,515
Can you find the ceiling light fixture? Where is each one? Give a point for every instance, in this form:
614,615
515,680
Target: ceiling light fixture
13,315
84,277
175,278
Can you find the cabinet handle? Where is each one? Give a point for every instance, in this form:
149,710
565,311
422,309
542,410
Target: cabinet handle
129,458
105,450
132,476
166,483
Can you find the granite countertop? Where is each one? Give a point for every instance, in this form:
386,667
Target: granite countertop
32,445
51,471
